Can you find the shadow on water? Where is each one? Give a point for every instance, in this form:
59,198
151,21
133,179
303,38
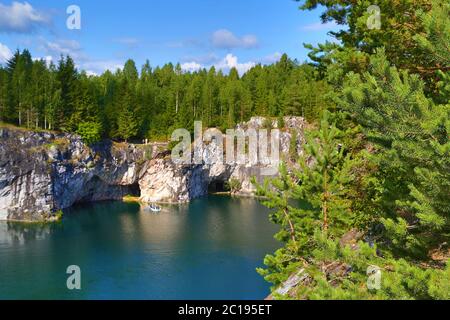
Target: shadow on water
208,249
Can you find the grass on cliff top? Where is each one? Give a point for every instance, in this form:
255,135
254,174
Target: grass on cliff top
4,125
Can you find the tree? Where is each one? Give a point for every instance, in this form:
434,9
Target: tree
130,72
3,94
67,77
127,124
292,101
310,199
159,100
404,26
19,69
412,137
90,132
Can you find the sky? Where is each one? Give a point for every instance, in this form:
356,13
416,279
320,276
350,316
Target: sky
195,33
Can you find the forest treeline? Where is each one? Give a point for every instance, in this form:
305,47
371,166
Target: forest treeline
153,102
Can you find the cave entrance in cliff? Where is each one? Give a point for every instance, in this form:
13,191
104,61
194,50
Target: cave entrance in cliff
216,187
134,190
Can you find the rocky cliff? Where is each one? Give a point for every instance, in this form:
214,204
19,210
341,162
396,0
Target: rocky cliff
163,181
41,173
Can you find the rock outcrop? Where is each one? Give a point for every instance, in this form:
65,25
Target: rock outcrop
165,182
41,173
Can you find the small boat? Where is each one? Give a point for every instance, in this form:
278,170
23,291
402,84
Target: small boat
154,208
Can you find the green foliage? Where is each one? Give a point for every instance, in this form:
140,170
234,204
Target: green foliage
155,102
414,34
127,125
293,148
346,275
308,199
412,134
90,132
387,173
280,122
267,124
59,215
234,185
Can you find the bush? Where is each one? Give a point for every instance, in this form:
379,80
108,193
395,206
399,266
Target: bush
90,132
234,185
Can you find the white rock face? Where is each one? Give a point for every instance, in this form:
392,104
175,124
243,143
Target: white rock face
41,173
165,182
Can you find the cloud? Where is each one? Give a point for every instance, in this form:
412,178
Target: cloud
57,48
225,39
191,66
226,64
48,59
231,61
128,41
21,18
319,26
5,53
54,49
207,59
96,67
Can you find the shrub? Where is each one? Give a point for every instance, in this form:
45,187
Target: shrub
90,132
234,185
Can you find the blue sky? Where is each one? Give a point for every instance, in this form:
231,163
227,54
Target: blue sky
196,33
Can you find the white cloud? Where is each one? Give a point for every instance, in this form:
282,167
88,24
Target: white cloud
57,48
72,48
226,64
5,53
207,59
231,61
225,39
319,26
91,73
47,59
191,66
96,67
21,18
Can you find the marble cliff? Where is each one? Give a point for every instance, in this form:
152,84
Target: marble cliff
42,173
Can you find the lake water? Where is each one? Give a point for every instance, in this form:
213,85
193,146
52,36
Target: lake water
208,249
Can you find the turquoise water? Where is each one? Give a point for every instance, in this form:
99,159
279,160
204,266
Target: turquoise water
208,249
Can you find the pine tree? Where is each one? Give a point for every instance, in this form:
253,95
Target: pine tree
3,95
412,135
309,199
127,123
67,77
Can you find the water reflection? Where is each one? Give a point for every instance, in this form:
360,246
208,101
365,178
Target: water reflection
208,249
21,233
